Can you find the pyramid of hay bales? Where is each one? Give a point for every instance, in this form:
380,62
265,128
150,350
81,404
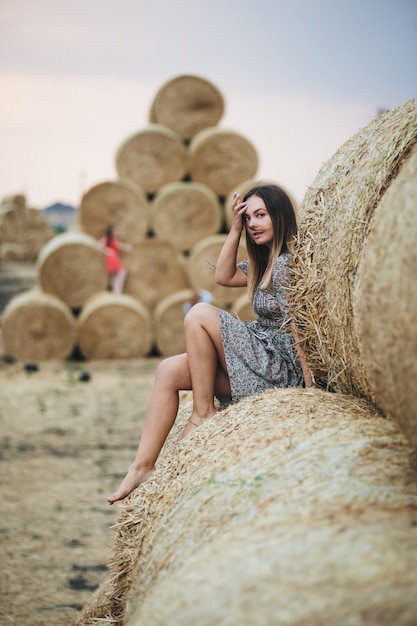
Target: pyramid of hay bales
174,180
298,506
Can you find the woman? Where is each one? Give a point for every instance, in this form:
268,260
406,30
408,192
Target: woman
226,357
115,269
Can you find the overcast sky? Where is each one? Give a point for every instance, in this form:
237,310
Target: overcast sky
299,77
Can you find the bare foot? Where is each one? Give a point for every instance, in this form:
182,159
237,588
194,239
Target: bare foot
133,479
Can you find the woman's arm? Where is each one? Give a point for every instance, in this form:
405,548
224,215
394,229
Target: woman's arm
126,247
227,272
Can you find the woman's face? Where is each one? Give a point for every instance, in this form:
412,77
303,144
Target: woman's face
258,222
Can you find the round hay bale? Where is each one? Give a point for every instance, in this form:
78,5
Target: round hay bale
187,104
169,321
154,271
200,267
37,327
115,203
242,308
185,213
222,159
71,267
335,218
114,326
283,483
385,312
10,252
152,158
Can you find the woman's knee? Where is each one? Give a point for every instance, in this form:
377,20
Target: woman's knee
171,370
199,314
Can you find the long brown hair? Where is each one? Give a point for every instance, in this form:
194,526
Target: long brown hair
282,213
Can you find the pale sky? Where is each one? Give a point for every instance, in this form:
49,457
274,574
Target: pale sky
299,77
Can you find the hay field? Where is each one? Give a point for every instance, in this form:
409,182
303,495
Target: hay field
64,446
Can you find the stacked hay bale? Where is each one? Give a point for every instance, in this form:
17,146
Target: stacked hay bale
37,326
354,299
174,179
265,508
23,231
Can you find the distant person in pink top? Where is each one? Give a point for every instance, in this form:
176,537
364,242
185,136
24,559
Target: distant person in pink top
115,269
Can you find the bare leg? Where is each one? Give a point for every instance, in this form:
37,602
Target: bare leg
118,281
202,369
206,361
171,376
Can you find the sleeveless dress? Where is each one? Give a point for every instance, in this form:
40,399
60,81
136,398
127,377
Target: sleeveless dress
261,354
112,258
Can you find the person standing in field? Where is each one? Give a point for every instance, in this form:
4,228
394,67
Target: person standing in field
111,247
226,357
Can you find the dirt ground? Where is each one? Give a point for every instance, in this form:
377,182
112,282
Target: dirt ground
64,445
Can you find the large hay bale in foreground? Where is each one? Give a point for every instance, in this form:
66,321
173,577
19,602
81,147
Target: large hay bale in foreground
185,213
337,213
386,309
222,159
294,507
152,158
187,104
71,267
200,267
154,271
115,203
114,326
37,327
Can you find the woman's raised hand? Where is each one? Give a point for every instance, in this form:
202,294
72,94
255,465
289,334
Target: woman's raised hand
238,209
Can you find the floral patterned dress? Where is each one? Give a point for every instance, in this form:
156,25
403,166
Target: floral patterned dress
261,354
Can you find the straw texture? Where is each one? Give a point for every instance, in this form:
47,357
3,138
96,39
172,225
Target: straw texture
114,326
222,159
285,482
37,327
187,104
185,213
385,314
154,271
115,203
71,267
152,158
335,218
